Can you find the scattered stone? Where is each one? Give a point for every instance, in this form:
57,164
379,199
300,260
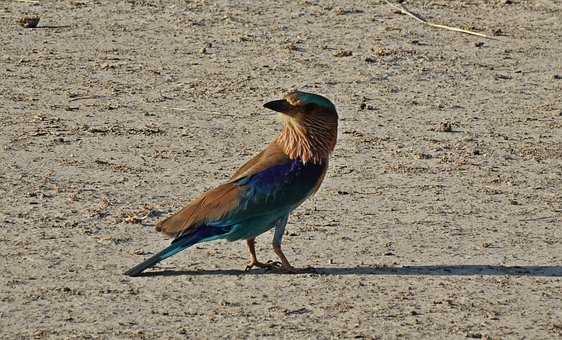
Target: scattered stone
444,127
422,155
297,311
503,76
29,21
381,52
365,106
292,47
344,53
138,252
342,11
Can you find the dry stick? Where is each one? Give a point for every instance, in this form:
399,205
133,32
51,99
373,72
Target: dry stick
88,97
175,108
403,10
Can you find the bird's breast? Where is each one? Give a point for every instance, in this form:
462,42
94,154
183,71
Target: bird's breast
290,175
287,184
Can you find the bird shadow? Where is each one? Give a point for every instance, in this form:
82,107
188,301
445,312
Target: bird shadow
437,270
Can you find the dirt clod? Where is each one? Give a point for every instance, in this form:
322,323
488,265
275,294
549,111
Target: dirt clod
29,21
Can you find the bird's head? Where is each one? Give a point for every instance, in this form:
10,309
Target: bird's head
311,124
304,107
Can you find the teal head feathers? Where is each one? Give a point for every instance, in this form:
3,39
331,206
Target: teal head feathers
310,126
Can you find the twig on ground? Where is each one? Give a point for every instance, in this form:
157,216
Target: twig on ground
403,10
88,97
175,108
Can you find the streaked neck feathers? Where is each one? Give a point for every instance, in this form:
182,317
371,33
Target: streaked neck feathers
310,126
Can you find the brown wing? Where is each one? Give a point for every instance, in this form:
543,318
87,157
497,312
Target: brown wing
212,205
218,202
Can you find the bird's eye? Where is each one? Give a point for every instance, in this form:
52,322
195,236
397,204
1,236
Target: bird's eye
308,107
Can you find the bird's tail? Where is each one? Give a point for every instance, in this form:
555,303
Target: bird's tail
179,244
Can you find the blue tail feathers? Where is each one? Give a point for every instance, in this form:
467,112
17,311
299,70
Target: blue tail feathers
203,233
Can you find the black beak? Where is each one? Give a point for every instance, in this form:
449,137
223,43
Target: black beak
282,106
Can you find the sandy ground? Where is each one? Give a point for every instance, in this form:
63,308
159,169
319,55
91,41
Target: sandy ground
115,113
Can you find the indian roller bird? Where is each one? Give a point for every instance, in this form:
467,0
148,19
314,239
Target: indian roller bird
263,192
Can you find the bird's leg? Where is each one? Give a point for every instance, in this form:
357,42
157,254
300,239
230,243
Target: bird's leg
254,260
277,239
285,265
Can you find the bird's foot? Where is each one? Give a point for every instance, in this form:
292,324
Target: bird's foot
268,265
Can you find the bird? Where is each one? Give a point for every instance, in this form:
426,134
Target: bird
262,193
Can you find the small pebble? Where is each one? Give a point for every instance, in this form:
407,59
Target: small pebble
344,53
444,127
28,22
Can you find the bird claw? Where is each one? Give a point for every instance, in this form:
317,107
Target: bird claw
273,264
268,265
280,268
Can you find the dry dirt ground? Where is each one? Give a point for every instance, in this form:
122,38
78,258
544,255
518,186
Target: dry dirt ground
440,217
